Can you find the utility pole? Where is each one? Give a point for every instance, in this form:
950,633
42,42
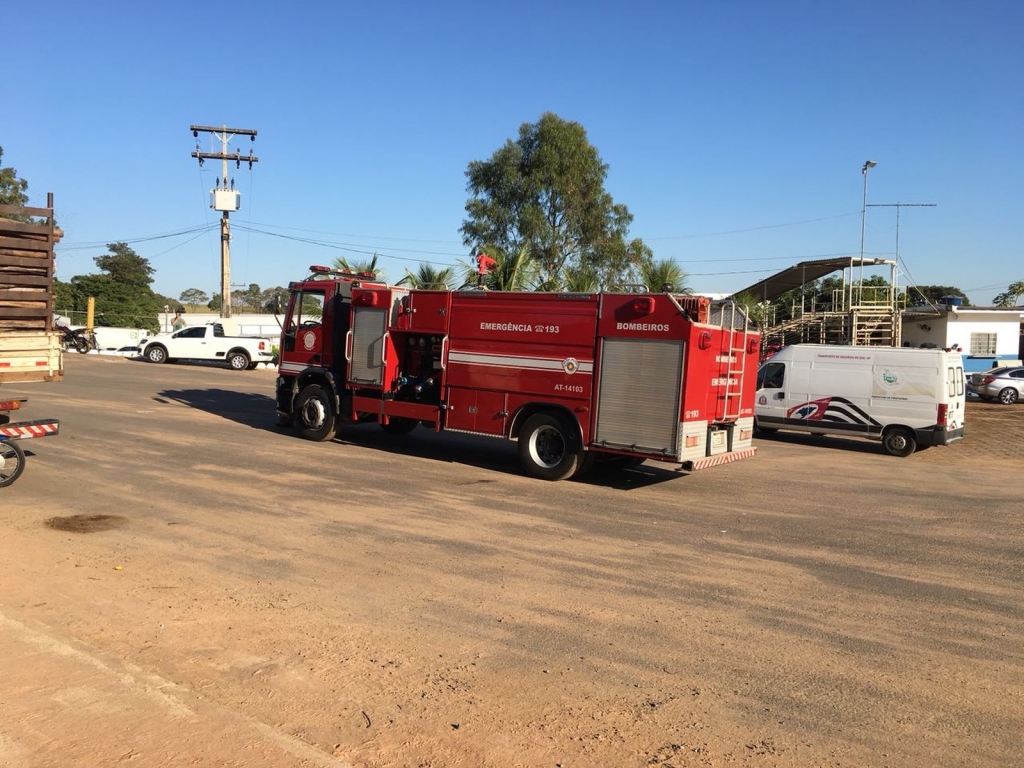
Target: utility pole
223,198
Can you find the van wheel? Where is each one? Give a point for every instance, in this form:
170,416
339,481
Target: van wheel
314,414
899,441
548,448
1008,396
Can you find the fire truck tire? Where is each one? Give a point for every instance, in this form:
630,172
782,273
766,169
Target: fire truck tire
548,448
314,414
899,441
12,462
400,426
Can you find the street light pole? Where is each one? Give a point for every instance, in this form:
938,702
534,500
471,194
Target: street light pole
863,219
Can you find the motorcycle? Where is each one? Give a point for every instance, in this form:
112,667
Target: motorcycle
80,339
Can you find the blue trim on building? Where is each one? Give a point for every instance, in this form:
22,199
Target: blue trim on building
979,364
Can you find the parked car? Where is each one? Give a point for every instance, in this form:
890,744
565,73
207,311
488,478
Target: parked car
1005,384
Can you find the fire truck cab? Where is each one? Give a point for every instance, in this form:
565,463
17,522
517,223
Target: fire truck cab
575,378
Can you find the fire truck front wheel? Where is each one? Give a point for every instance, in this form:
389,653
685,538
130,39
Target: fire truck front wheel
548,448
314,414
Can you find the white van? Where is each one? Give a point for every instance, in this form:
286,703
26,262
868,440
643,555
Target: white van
905,397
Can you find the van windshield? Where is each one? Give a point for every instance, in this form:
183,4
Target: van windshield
771,376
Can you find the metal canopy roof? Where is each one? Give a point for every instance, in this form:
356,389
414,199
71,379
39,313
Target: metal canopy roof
805,272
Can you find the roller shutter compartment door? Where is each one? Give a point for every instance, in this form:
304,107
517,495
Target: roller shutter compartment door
368,346
640,389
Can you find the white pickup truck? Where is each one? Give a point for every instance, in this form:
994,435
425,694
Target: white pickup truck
208,342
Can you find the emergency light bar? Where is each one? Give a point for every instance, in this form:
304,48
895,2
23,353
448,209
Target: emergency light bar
10,405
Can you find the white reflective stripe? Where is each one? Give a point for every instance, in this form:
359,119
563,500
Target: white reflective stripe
293,367
512,361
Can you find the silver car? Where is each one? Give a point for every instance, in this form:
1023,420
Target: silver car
1004,384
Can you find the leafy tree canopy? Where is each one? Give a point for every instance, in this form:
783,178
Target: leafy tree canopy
345,264
924,295
428,277
122,293
545,191
194,298
125,266
1010,296
13,190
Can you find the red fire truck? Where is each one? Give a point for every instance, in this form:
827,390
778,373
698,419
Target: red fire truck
575,378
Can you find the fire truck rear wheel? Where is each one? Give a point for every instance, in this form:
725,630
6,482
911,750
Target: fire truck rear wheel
314,414
12,462
548,448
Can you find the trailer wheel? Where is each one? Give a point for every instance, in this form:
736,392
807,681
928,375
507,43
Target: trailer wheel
548,448
314,414
399,426
156,354
12,462
899,441
238,361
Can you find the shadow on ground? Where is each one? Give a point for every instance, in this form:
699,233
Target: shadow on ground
260,412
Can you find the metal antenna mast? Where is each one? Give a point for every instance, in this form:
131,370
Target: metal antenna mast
897,206
223,198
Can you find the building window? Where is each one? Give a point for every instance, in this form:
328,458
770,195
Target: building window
983,344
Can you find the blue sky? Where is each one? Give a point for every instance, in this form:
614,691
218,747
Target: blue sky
735,131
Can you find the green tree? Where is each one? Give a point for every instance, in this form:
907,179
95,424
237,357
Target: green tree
663,276
760,312
125,266
13,190
426,276
369,267
923,295
545,190
122,293
1009,297
274,299
515,271
193,298
215,303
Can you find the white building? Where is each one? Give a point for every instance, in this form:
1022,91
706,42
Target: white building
987,336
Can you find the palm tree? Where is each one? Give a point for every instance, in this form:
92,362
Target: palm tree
761,312
428,278
517,271
343,264
664,276
580,280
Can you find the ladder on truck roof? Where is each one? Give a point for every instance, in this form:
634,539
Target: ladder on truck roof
735,326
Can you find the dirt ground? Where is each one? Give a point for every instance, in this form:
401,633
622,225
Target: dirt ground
183,584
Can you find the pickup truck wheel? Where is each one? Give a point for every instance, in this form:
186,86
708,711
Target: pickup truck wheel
548,448
899,441
314,414
156,354
239,361
12,462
